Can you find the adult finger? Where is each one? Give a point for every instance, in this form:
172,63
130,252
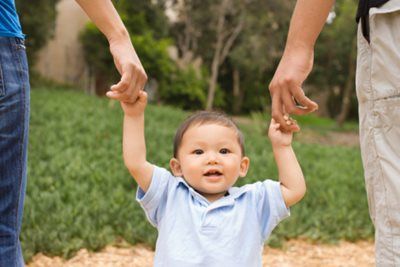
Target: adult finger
142,80
132,93
277,112
290,103
119,96
137,84
307,104
115,95
124,83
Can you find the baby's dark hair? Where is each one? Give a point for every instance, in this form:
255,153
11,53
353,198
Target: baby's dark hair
206,117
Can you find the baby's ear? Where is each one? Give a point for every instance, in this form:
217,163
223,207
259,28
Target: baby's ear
175,167
244,166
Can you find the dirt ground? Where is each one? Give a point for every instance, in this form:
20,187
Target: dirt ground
349,139
295,253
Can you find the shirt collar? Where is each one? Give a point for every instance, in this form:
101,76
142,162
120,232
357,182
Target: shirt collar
234,193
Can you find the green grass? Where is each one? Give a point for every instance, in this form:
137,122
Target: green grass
80,195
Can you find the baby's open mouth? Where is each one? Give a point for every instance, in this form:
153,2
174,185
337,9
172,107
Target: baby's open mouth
213,173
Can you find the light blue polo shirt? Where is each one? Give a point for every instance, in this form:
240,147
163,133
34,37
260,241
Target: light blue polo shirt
193,232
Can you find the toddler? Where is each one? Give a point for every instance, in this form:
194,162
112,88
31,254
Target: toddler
202,219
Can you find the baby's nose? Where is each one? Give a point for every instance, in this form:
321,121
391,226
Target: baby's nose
212,158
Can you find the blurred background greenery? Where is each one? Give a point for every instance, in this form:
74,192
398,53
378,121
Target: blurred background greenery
210,54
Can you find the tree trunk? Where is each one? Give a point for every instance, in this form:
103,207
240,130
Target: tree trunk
223,45
348,90
216,58
102,85
237,96
212,85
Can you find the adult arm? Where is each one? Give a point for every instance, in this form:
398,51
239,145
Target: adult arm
133,76
307,21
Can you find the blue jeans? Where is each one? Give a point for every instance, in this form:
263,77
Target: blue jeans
14,123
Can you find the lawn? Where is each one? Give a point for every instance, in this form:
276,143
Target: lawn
80,195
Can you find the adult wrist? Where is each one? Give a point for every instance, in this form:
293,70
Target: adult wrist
296,48
118,35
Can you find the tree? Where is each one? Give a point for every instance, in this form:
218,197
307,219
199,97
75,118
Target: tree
213,24
335,57
239,42
226,33
256,53
348,91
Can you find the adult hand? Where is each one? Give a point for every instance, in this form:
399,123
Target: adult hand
286,88
133,75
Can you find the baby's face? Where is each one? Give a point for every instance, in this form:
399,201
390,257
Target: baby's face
210,159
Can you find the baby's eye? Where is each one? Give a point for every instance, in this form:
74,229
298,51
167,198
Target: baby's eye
224,151
198,152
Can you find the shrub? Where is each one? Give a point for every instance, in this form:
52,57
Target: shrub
185,90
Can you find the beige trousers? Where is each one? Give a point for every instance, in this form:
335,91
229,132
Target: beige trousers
378,93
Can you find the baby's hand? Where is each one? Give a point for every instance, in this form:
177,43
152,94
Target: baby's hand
137,108
278,137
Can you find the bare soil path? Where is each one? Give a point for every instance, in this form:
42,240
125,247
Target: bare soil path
295,253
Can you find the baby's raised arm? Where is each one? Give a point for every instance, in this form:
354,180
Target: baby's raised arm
291,176
133,144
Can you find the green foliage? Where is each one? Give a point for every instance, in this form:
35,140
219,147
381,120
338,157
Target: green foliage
38,23
143,17
254,54
97,53
153,55
80,195
182,88
333,54
185,90
147,24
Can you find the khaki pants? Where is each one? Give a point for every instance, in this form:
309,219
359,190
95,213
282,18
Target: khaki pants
378,92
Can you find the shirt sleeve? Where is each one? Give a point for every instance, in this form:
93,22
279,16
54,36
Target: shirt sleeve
154,200
271,207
